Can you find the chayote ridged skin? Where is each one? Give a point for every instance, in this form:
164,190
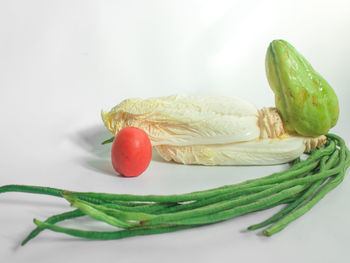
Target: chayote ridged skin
307,103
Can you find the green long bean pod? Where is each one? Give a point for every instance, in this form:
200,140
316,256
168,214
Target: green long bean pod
331,184
261,204
31,189
305,196
246,199
124,233
212,200
150,208
89,210
214,208
102,235
99,235
288,208
273,229
162,209
219,207
131,204
53,220
108,211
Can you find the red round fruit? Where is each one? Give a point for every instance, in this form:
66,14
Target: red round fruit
131,152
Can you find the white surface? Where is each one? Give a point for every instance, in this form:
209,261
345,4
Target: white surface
61,62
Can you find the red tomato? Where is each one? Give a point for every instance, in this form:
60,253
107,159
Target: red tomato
131,152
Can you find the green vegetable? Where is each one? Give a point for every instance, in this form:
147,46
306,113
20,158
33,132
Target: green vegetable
110,140
300,187
108,235
307,103
305,196
90,210
52,220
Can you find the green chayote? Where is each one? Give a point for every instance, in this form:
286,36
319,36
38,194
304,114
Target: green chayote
307,103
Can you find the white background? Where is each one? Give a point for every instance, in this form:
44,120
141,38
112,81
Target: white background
61,62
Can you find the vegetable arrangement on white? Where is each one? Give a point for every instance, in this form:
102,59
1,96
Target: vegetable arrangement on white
222,130
218,130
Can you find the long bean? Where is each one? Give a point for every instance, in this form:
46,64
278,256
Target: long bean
216,207
288,208
98,235
109,235
150,208
331,184
106,214
239,210
88,209
245,199
302,210
52,220
305,196
214,199
31,189
312,189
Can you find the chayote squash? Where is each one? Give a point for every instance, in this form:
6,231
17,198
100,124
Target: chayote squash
306,102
